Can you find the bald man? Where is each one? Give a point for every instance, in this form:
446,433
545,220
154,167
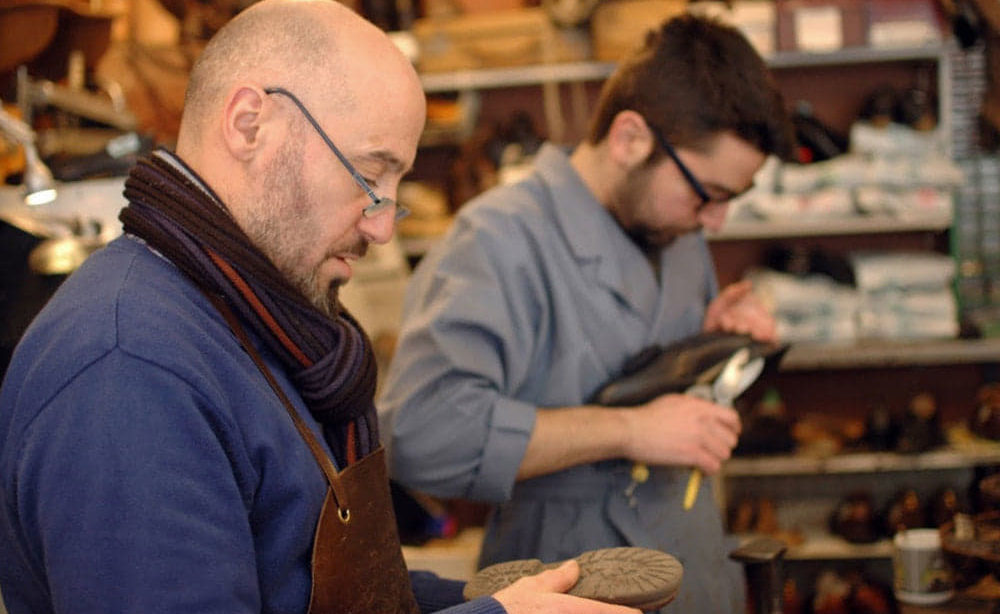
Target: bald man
188,425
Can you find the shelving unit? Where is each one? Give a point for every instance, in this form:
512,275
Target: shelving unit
807,489
549,76
888,469
950,463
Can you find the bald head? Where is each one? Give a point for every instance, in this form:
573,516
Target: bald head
270,94
308,46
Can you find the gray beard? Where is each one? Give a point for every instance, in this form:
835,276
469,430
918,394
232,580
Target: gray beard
327,302
269,226
268,236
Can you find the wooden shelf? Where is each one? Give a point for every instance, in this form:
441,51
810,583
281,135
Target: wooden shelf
853,225
493,78
856,55
515,76
818,546
889,353
980,453
736,230
831,547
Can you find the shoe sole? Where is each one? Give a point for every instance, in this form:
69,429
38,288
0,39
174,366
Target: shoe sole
640,578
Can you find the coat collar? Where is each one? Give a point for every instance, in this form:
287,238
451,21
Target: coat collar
594,236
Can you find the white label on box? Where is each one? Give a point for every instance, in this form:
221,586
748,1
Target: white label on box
754,18
902,34
756,21
819,28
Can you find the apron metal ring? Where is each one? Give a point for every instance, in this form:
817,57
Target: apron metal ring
344,514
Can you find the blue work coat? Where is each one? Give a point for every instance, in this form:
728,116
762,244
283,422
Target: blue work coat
535,299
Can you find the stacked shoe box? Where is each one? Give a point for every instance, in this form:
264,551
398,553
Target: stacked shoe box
968,87
976,228
988,184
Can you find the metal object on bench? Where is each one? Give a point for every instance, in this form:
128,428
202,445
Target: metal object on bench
763,559
39,187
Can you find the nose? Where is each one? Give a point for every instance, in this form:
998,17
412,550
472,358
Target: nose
378,228
713,215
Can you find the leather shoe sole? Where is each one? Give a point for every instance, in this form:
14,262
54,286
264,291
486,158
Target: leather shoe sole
640,578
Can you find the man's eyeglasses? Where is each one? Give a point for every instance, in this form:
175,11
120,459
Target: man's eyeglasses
379,203
693,181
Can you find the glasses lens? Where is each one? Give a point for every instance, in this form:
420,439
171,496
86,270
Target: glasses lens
386,204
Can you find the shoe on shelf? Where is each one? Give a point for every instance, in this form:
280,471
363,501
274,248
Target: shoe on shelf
640,578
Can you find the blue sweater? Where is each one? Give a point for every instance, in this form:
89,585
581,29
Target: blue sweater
145,464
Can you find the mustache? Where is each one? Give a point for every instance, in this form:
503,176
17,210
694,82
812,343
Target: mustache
358,248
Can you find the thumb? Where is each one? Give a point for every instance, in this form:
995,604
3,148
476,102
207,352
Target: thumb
727,297
736,291
560,579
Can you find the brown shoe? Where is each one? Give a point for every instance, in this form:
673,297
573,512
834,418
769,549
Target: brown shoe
636,577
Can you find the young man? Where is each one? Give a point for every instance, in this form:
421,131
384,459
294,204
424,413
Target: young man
188,425
544,289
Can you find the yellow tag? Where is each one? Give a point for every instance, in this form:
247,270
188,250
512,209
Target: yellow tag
694,485
640,473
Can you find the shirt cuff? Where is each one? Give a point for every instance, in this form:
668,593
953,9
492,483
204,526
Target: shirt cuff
434,593
511,427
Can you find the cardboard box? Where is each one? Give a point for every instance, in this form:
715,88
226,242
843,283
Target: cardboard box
903,23
619,26
821,25
516,37
756,19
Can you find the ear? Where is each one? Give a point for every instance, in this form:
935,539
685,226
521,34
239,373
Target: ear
242,122
630,141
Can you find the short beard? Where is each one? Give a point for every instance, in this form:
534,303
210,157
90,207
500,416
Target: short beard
327,301
274,224
271,237
633,190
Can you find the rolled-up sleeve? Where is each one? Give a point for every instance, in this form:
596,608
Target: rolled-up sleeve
452,424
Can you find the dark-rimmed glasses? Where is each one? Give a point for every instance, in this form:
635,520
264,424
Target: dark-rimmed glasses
693,181
379,203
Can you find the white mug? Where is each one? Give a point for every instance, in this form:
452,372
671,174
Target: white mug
921,572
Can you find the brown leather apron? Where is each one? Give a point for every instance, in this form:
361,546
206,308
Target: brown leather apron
357,561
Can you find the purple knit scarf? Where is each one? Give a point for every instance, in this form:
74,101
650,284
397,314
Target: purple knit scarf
330,360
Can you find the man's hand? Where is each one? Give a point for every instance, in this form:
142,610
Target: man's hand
738,310
677,429
545,592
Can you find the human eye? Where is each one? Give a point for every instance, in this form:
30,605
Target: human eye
719,195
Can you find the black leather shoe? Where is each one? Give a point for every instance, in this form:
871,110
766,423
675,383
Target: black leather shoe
676,367
640,578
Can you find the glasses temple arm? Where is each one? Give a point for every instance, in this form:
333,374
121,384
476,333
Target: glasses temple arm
691,179
350,167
